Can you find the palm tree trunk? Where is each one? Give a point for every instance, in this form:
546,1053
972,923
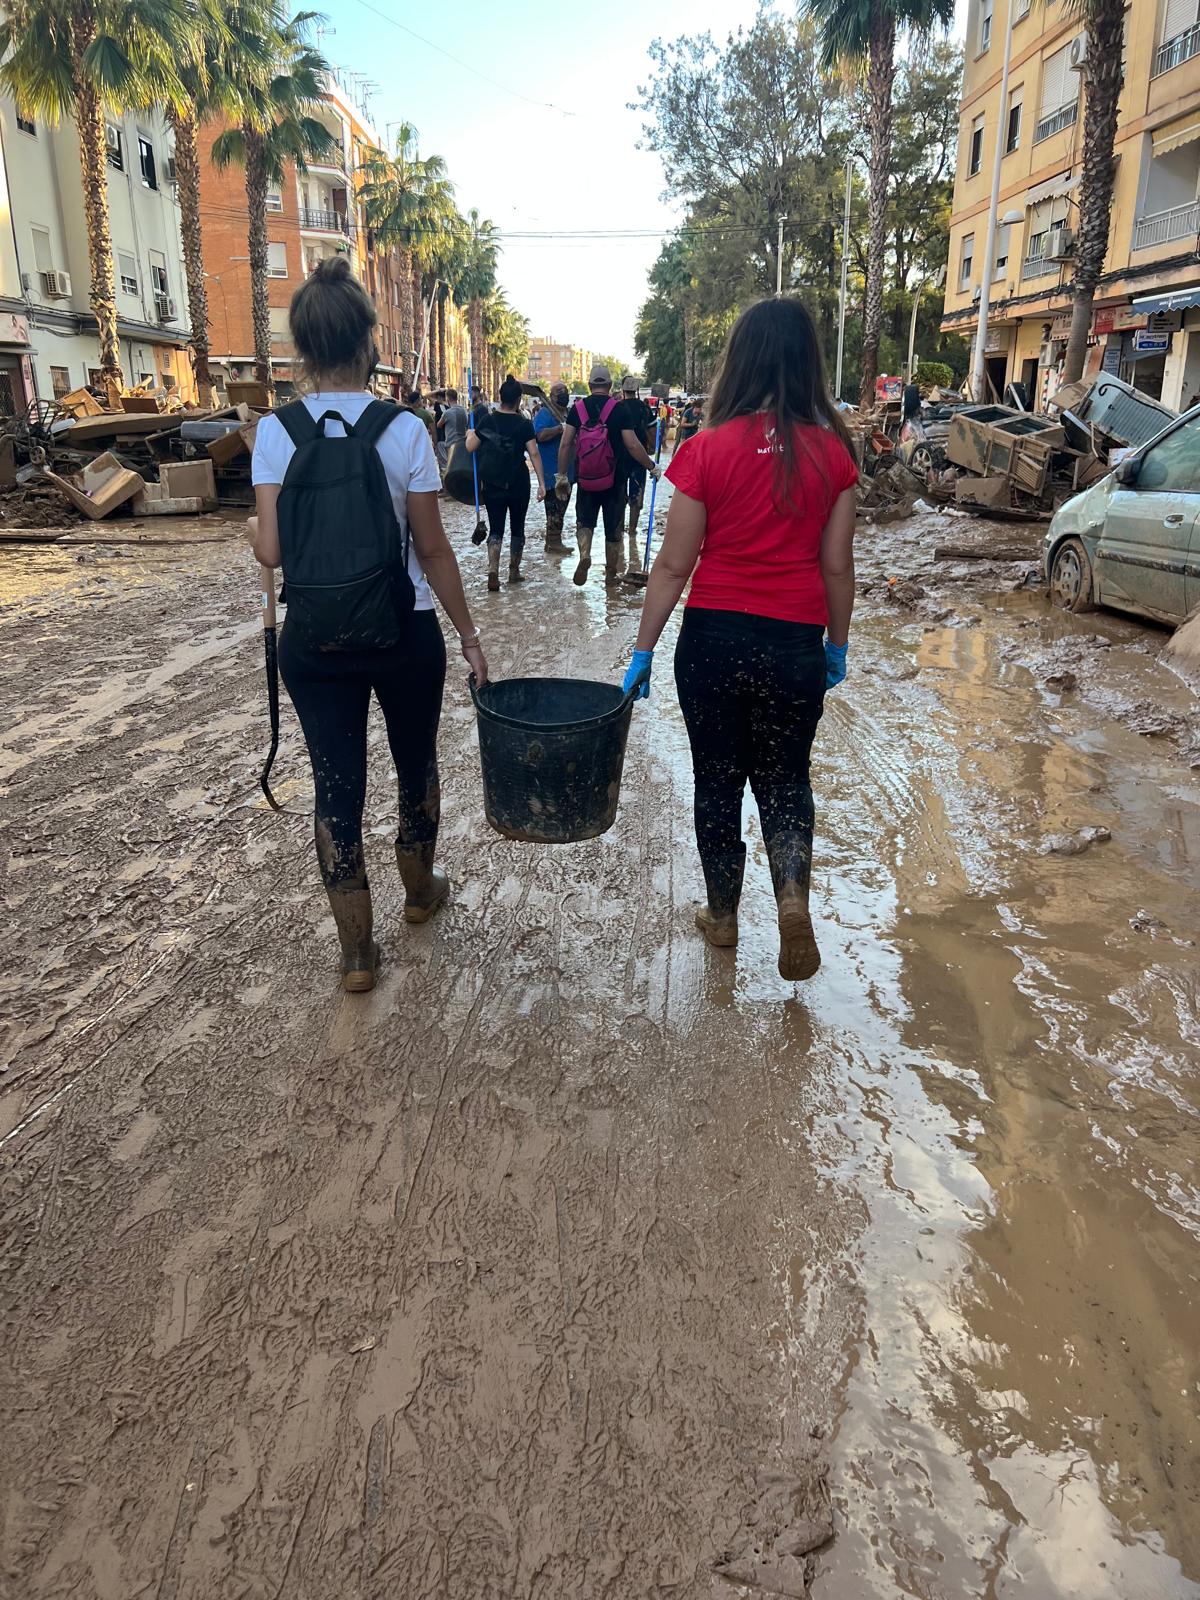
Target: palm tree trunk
406,317
689,350
256,202
187,174
442,377
475,327
881,70
1102,92
418,302
89,122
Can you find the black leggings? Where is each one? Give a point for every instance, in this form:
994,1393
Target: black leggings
752,690
515,506
331,691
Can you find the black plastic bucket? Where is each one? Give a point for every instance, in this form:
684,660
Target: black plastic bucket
552,752
459,478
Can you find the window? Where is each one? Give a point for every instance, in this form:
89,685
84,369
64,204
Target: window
43,256
985,25
116,147
976,146
277,260
60,381
1059,104
146,161
1012,137
127,272
274,200
278,316
1022,9
159,286
1174,464
966,261
1003,233
27,125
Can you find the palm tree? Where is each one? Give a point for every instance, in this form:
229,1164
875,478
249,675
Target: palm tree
78,61
406,197
854,31
278,127
1103,76
446,255
478,281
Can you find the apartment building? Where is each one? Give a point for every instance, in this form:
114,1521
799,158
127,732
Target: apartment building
1146,325
551,362
48,335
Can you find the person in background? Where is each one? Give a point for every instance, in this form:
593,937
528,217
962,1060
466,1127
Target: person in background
606,444
438,408
504,440
452,424
478,403
419,409
644,426
762,522
332,320
548,426
690,419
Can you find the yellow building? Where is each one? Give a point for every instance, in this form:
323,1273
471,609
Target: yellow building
1146,326
552,362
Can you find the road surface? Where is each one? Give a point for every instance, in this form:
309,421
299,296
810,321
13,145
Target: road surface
580,1259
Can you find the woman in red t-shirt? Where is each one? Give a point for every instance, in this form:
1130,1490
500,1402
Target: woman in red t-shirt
762,521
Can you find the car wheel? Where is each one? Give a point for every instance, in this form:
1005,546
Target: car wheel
921,459
1071,578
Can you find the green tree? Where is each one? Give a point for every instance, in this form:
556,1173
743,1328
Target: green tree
865,31
278,103
477,282
76,62
1103,76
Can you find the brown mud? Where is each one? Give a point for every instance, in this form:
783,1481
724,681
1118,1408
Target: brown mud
580,1258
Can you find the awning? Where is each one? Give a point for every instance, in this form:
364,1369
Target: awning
1175,135
1178,300
1053,188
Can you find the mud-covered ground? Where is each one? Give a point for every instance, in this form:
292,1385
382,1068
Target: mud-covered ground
579,1259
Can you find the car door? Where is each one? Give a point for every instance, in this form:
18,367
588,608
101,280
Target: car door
1147,544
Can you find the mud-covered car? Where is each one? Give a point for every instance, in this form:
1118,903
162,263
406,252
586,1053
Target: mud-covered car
1132,541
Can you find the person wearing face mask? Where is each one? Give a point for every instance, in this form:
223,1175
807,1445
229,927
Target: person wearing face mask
548,424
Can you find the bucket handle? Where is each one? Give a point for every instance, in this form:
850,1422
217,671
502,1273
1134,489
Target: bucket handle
642,677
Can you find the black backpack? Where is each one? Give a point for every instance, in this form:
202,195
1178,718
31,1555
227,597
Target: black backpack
345,560
501,460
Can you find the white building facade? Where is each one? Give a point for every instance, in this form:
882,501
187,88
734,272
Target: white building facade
48,337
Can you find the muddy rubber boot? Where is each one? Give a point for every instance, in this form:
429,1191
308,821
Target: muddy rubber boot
717,920
635,560
515,575
790,855
614,559
493,569
360,954
556,547
585,556
425,886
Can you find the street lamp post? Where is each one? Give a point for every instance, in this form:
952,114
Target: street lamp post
779,260
985,291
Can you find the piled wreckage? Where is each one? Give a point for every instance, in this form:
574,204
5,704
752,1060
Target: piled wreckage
1002,461
80,456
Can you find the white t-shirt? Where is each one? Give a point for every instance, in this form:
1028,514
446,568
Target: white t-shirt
405,450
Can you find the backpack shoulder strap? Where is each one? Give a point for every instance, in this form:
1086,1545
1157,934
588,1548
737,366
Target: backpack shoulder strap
584,415
375,421
297,422
610,405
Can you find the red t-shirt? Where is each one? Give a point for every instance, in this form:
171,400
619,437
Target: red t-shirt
753,559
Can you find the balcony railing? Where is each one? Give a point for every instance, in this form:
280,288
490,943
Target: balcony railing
326,222
1056,122
1174,52
1037,267
1181,222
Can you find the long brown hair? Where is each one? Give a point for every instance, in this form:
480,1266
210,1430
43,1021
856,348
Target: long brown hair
772,362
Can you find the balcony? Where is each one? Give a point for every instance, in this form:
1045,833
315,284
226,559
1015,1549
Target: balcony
1163,227
330,166
1174,52
326,222
1038,267
1056,122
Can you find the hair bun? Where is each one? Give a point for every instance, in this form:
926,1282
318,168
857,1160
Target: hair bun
332,269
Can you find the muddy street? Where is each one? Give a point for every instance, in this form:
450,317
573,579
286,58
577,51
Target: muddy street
581,1259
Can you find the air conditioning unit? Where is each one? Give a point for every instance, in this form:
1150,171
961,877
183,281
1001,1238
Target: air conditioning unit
976,294
1060,244
1079,52
165,308
1051,353
56,285
113,139
172,176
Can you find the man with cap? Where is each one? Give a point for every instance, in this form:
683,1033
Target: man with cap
643,426
602,473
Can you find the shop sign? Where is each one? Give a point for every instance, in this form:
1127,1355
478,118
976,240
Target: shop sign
1126,319
1103,322
1149,342
996,342
1060,328
27,374
14,330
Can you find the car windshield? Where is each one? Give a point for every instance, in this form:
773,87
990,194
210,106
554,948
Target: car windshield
1174,463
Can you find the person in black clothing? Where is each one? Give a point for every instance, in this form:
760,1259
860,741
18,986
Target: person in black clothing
644,426
607,501
504,439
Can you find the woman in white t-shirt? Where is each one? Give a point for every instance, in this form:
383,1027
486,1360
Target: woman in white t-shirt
332,323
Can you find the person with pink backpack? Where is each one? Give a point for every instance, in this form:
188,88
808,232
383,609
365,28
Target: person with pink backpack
603,436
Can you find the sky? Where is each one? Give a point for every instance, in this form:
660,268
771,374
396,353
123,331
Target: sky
532,121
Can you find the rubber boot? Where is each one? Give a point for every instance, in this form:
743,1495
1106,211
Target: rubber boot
425,886
717,920
360,954
585,555
554,528
635,559
493,569
790,856
515,575
614,559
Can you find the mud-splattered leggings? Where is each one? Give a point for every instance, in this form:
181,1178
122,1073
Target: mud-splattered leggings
331,691
515,506
752,690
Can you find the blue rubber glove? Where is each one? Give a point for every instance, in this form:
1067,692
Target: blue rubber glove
835,663
642,661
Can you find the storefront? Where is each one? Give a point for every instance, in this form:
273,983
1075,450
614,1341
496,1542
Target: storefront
16,369
1164,357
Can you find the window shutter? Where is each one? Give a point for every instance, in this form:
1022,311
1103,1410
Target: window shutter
1180,16
1055,70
